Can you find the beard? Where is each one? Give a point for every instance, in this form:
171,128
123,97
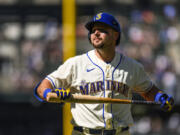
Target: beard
97,45
100,46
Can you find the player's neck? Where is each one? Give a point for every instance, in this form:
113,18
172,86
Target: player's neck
107,56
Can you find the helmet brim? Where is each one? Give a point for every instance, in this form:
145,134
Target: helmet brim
90,25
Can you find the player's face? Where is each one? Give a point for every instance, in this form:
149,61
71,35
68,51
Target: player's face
102,36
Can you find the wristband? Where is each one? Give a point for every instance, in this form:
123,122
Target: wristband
46,92
157,97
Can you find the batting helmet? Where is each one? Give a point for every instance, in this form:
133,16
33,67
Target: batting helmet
106,19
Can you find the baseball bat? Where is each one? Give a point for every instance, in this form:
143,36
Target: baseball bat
86,99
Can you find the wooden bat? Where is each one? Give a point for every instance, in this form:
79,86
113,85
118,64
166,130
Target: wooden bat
86,99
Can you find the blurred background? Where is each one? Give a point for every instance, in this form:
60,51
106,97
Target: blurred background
31,48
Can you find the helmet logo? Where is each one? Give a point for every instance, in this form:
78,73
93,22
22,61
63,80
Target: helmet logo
98,16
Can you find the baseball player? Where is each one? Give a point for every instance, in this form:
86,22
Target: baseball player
102,72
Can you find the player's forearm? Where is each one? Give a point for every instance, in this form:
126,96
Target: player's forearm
150,95
44,85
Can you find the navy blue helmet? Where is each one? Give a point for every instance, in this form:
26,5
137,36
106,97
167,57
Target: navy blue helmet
106,19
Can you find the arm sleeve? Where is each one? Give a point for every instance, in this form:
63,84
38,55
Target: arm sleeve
142,80
62,77
35,92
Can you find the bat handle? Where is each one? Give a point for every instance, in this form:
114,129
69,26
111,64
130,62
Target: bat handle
145,102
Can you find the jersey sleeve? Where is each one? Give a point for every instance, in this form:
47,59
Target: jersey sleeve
62,77
142,80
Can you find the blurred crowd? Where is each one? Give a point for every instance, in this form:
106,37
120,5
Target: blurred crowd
153,39
27,54
155,125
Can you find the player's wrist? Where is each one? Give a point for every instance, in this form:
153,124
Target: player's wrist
46,91
158,96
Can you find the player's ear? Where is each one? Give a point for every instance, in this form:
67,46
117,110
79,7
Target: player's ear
89,36
116,35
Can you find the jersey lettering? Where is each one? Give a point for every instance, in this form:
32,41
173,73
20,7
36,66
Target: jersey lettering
123,76
99,86
84,89
94,87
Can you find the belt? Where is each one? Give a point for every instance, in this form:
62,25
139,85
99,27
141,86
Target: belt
99,131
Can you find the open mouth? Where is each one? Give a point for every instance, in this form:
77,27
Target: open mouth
97,39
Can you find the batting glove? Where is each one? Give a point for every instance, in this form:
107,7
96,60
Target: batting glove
61,93
166,101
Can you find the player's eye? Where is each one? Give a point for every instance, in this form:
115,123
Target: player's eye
100,30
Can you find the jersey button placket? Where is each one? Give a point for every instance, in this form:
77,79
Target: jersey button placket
107,71
109,124
107,106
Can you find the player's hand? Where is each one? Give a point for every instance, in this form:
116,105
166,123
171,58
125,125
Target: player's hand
62,93
167,101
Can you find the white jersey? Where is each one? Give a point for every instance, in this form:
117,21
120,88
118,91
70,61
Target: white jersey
88,75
